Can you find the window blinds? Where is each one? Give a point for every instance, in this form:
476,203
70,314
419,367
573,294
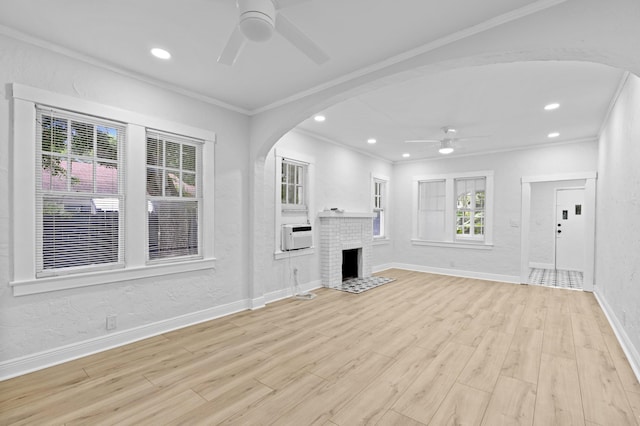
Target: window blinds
174,195
79,194
431,210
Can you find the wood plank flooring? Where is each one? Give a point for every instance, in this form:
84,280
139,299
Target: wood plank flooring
423,350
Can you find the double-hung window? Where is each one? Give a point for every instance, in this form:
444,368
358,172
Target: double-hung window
292,186
379,206
174,196
453,209
82,171
470,208
293,191
431,210
79,193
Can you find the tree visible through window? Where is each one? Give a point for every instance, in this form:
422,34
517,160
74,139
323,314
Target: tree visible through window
470,207
79,199
454,208
173,196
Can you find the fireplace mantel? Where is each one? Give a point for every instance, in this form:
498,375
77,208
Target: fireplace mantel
331,213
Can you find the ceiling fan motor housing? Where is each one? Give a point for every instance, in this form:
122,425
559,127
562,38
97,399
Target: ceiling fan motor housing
257,19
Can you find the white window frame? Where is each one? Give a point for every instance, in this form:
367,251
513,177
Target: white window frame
473,211
23,278
303,184
288,213
197,144
42,193
450,238
383,206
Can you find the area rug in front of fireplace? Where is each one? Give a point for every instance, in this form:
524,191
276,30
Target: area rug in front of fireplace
359,285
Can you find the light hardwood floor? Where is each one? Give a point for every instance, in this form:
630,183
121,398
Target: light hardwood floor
423,350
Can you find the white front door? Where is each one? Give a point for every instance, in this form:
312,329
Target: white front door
570,229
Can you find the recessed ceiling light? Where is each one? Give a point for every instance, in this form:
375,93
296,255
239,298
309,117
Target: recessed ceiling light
550,107
371,141
406,155
160,53
319,118
553,135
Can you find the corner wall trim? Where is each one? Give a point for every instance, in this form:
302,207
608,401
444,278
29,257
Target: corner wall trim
627,346
257,303
38,361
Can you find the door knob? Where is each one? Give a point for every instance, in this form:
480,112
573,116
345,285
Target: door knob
559,224
559,231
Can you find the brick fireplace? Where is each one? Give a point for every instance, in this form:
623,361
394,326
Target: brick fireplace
341,232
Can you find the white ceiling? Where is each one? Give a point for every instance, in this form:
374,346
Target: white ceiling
503,102
355,34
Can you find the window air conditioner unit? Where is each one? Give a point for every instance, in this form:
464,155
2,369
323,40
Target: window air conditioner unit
296,237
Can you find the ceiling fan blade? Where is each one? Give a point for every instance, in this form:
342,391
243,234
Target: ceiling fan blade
423,141
470,138
281,4
233,48
300,40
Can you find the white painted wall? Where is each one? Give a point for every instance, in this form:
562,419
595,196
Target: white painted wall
618,210
342,180
30,324
543,220
509,167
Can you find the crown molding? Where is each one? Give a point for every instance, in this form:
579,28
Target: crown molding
443,41
73,54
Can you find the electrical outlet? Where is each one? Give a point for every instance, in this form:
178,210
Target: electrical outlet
112,322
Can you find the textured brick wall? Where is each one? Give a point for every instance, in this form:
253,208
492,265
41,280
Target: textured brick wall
343,233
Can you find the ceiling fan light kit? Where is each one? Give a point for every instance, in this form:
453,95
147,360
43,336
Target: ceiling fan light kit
258,20
445,147
446,143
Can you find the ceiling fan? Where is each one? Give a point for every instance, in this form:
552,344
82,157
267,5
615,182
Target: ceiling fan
257,21
446,143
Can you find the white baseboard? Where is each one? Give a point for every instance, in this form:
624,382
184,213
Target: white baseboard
38,361
379,268
288,292
627,346
538,265
513,279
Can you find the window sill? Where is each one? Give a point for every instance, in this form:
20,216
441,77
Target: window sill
381,241
294,210
279,255
65,282
453,244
